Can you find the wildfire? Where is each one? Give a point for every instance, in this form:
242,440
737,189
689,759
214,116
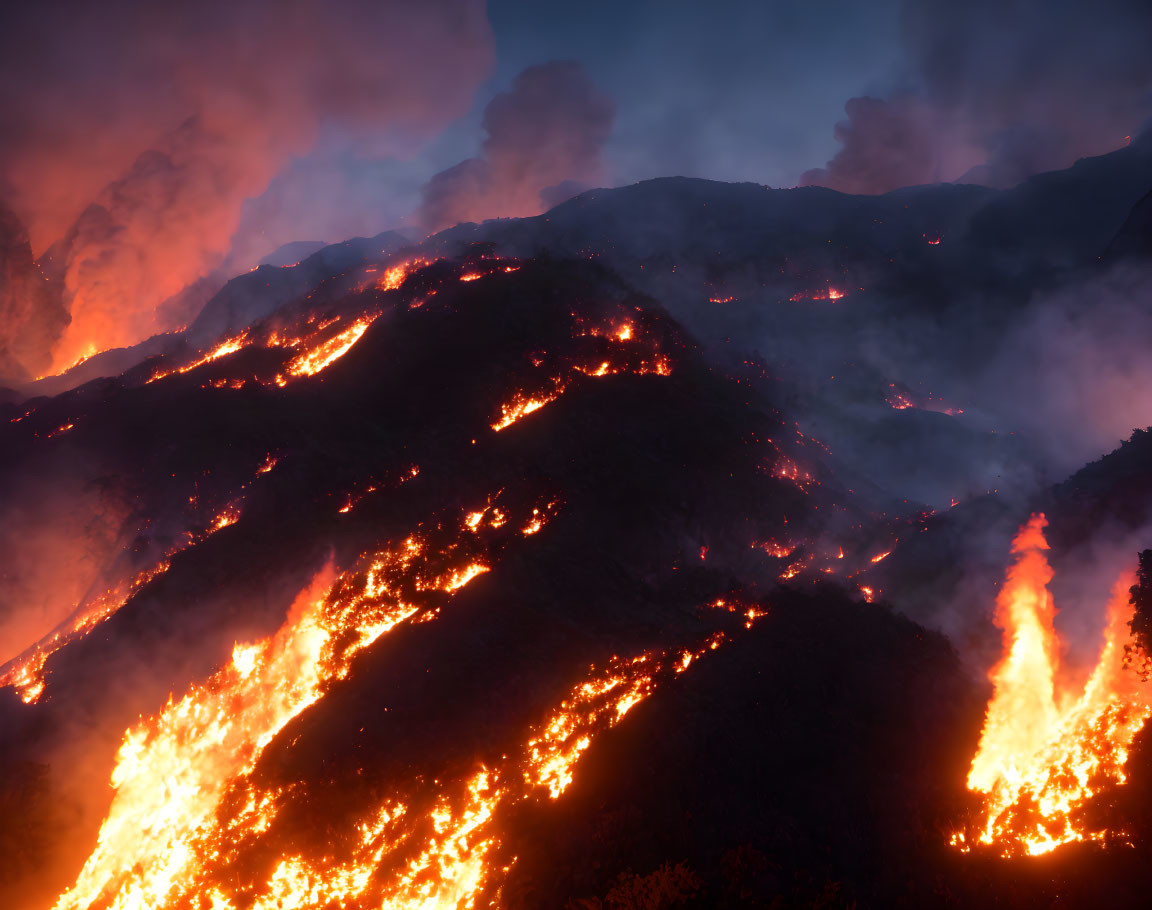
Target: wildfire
186,802
1045,752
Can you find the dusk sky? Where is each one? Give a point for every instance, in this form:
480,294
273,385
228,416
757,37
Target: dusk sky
730,90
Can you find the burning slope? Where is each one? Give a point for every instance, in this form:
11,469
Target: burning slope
1045,752
226,818
173,771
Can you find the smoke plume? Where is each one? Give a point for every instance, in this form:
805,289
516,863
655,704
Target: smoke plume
131,132
544,144
30,316
994,92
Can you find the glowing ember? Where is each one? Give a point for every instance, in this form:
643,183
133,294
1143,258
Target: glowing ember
1044,753
899,400
821,294
229,516
787,469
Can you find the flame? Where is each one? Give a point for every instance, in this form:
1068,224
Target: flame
311,362
173,770
230,346
169,838
521,406
1043,753
394,277
228,517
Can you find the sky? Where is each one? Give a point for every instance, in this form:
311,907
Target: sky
729,90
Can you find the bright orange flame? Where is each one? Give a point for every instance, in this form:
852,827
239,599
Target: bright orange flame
231,346
173,770
394,276
311,362
521,406
168,842
1044,753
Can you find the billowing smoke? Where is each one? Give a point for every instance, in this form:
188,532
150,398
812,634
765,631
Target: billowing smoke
997,91
132,132
30,315
544,144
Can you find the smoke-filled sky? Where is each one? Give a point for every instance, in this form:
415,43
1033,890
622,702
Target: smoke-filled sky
146,146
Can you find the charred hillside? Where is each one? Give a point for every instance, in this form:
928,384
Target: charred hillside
666,550
648,498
